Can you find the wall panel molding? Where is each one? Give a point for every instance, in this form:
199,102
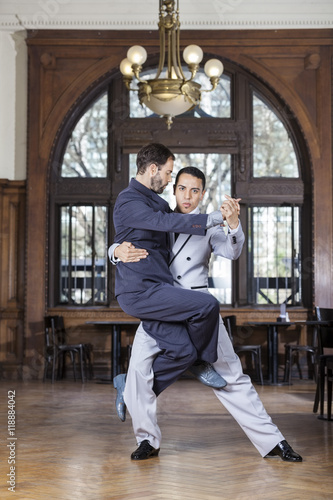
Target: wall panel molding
12,242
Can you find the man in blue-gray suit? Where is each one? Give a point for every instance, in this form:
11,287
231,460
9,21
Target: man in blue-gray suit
184,323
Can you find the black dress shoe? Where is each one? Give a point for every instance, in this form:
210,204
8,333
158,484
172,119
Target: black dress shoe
285,451
119,383
144,451
206,374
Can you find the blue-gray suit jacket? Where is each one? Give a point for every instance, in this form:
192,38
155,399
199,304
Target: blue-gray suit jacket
145,219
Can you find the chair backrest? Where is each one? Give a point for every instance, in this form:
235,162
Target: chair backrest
230,325
60,329
325,333
50,335
55,333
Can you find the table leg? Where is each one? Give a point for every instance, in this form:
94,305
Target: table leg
269,354
116,350
275,349
272,354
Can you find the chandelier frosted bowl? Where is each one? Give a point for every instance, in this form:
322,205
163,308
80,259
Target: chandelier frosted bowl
169,93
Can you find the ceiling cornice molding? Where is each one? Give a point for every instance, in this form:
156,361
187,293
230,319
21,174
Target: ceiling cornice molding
13,23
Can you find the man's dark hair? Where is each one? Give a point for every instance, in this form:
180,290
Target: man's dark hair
152,153
192,171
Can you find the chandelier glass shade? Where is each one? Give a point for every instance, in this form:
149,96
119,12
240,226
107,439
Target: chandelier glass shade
169,93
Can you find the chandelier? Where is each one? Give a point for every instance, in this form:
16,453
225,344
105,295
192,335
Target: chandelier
169,93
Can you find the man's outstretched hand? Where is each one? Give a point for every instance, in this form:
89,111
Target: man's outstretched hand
126,252
230,210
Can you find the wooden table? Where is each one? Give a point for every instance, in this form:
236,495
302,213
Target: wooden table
115,329
273,342
272,346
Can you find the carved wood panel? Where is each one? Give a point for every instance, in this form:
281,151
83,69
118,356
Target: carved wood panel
12,241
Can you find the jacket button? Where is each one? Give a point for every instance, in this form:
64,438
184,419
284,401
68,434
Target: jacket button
178,277
188,258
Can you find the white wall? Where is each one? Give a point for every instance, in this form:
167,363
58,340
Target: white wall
13,105
18,15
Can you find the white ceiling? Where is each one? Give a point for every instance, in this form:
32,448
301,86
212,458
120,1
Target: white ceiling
194,14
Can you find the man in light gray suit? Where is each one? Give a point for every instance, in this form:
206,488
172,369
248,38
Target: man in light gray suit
189,266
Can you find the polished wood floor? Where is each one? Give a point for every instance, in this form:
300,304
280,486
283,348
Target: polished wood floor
71,445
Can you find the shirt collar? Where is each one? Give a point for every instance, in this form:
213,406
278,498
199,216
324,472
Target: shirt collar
141,187
195,211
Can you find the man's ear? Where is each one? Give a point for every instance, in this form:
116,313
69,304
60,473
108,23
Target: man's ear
153,169
202,194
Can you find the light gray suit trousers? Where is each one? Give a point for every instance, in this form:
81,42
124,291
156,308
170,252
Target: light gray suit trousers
189,267
239,397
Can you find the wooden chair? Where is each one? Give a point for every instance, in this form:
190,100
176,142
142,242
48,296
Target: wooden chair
253,350
56,350
325,341
292,352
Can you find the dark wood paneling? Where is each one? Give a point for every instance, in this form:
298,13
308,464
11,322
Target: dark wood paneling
12,241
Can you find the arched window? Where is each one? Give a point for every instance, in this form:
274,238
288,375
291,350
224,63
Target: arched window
248,145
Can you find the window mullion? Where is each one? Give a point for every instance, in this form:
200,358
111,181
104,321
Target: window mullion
93,255
70,246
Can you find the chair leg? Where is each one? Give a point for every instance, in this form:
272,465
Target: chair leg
81,363
314,369
298,365
322,389
286,365
61,364
72,355
54,364
255,359
329,394
254,362
85,363
316,401
46,364
90,370
289,365
90,363
261,379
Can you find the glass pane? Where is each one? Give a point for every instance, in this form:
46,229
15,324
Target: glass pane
101,247
83,274
215,104
82,223
275,250
217,169
86,151
273,151
136,110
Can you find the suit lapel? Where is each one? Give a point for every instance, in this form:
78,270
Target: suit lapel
178,247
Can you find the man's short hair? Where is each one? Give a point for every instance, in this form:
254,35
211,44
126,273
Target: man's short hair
192,171
152,153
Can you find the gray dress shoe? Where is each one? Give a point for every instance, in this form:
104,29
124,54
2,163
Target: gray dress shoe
119,384
206,374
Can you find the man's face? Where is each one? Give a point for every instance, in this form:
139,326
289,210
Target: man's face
162,177
188,192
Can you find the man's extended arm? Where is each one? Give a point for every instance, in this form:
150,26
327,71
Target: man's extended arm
229,211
